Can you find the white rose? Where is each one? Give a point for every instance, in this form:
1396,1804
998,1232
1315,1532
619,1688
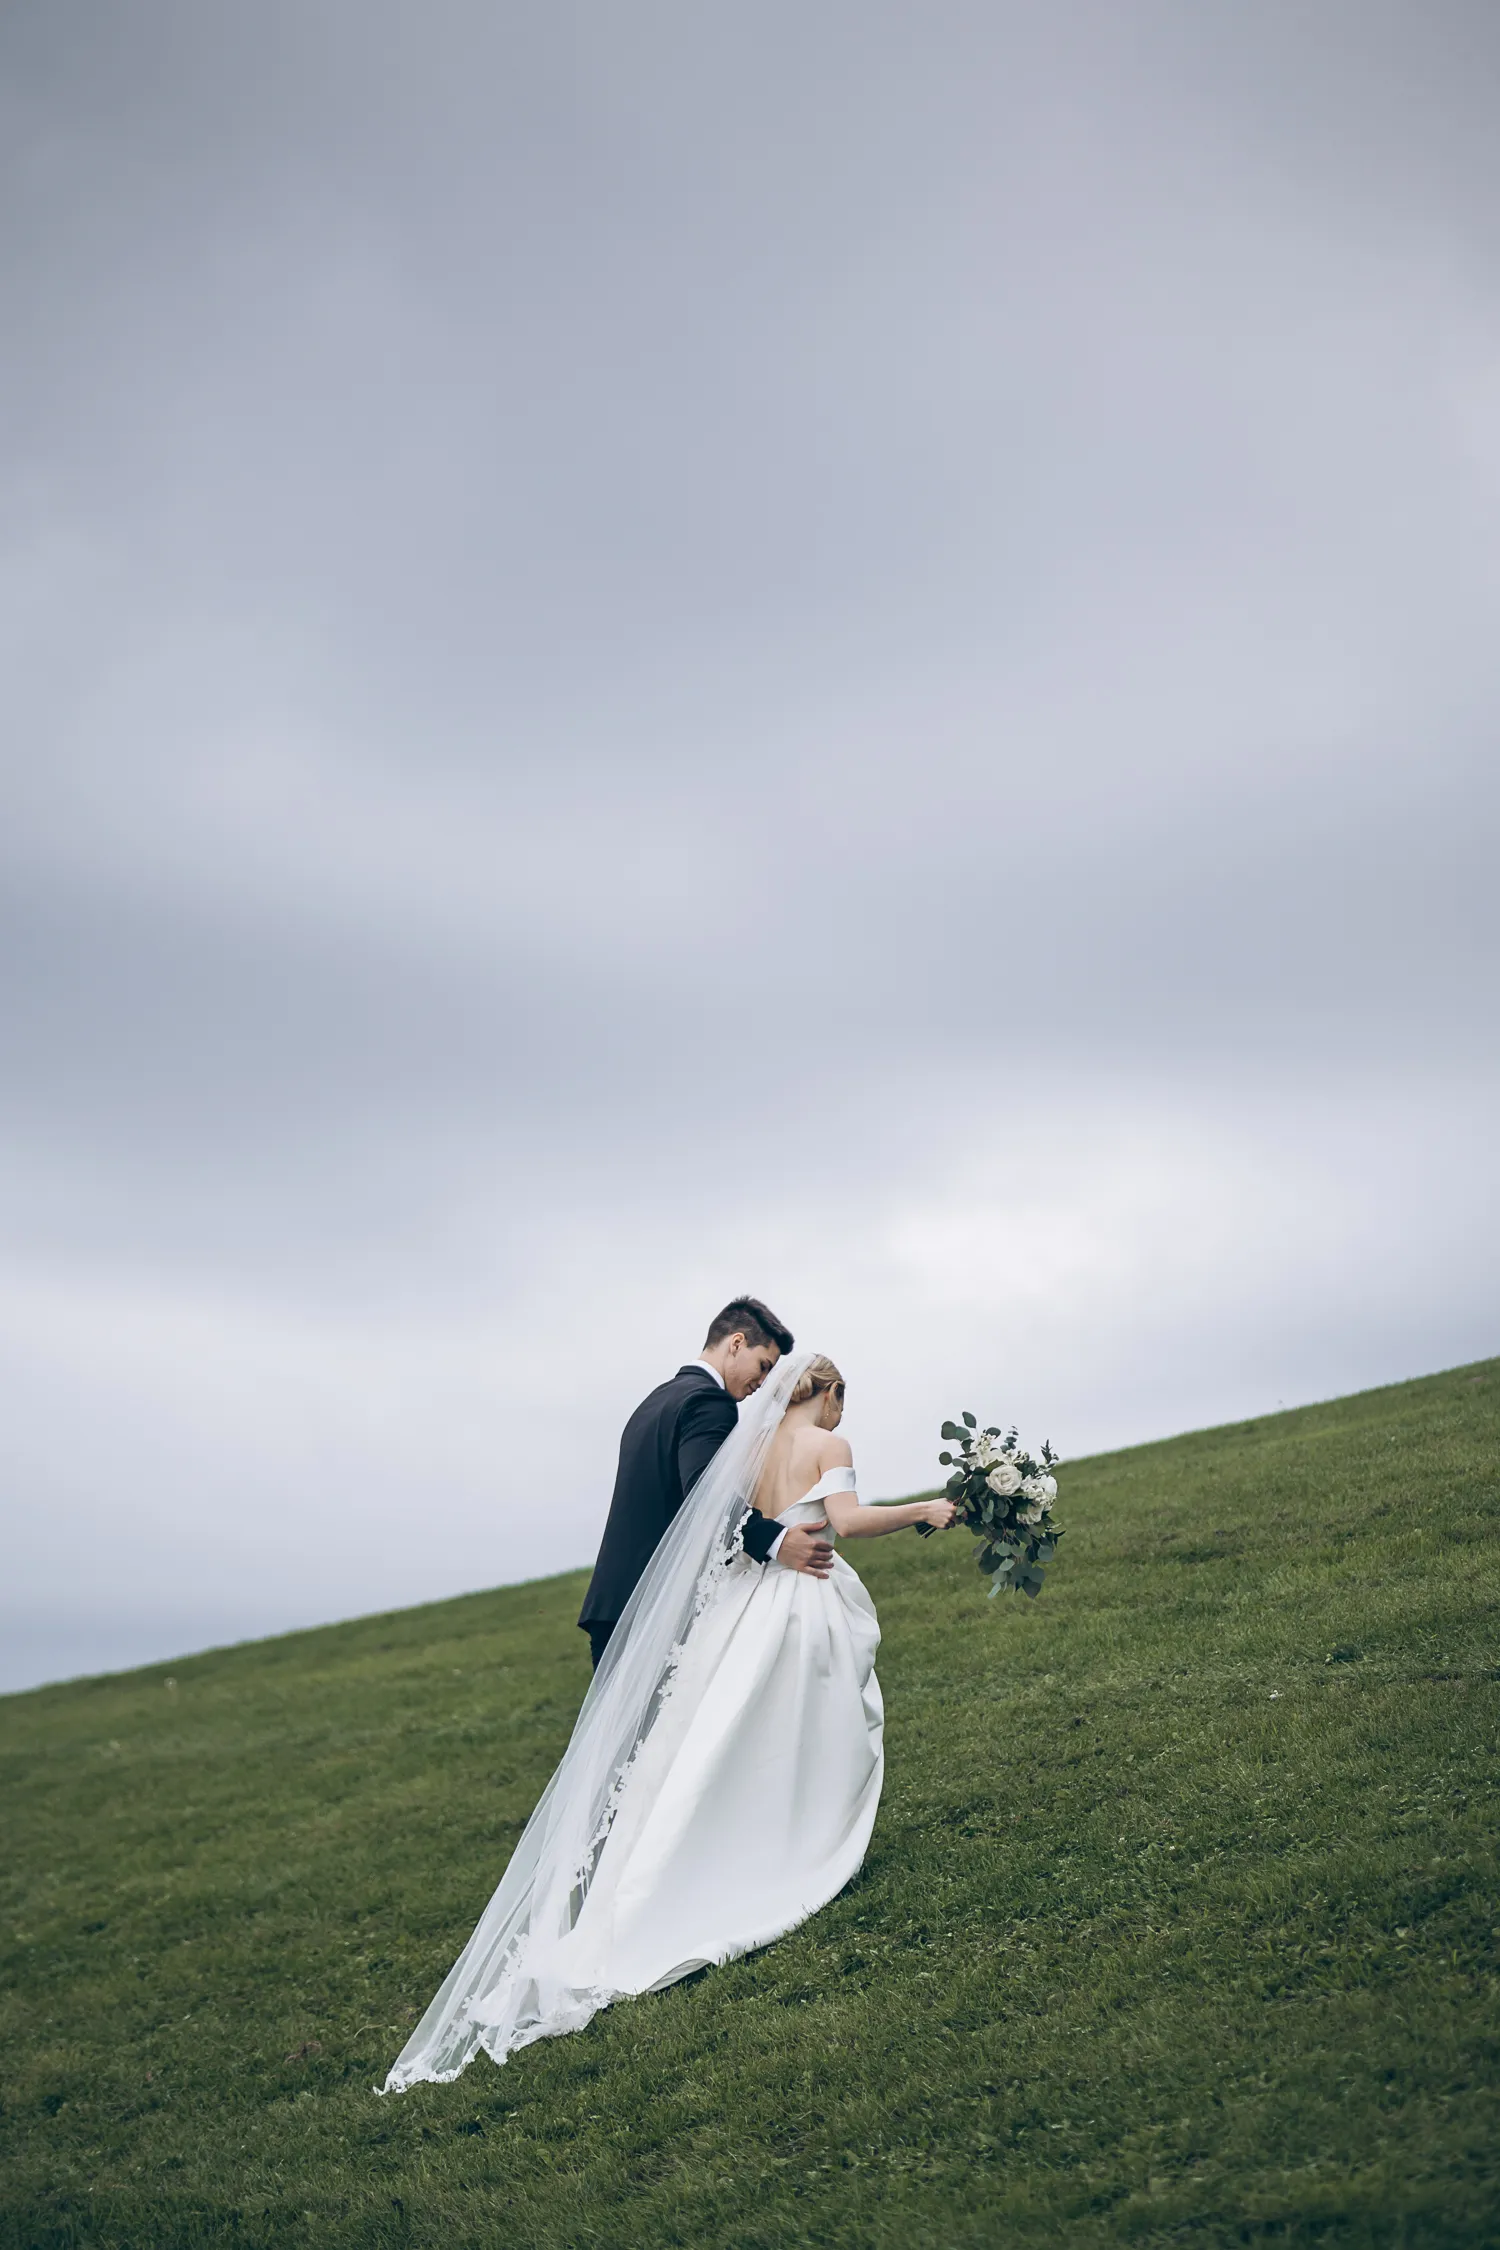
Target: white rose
1033,1488
1032,1515
1004,1479
1049,1489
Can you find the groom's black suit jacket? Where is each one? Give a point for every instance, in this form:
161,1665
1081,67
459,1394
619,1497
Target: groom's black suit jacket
668,1443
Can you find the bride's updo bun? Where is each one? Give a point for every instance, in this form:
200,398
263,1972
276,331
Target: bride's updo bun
819,1374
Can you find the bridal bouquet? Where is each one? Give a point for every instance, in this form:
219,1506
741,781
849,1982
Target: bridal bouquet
1004,1494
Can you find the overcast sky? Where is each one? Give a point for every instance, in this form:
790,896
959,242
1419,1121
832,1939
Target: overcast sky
842,649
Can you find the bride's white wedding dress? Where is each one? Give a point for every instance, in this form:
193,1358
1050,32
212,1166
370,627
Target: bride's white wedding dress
720,1786
750,1803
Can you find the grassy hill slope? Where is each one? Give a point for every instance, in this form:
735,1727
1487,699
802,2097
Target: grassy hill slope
1177,1926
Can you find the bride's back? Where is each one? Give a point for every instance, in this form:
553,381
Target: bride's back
799,1453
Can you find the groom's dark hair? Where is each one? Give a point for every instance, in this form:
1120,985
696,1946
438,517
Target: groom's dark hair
748,1317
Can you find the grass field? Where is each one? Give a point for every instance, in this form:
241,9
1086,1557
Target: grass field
1178,1926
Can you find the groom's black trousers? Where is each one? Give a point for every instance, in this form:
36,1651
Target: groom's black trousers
599,1639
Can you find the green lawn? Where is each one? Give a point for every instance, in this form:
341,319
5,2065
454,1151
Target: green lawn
1178,1924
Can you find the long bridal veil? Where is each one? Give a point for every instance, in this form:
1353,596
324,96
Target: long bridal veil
508,1986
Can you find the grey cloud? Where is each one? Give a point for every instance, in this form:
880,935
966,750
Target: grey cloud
631,641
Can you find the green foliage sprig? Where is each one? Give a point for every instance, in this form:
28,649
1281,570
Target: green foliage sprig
1004,1494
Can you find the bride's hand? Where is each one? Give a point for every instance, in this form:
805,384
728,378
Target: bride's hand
939,1513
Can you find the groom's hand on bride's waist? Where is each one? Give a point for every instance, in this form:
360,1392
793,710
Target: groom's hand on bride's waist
806,1546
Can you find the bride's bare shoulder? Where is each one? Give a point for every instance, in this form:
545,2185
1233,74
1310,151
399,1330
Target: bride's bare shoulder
814,1452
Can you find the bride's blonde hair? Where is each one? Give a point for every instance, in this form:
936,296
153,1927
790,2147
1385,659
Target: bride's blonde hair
819,1374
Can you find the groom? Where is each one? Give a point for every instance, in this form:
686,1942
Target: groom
668,1443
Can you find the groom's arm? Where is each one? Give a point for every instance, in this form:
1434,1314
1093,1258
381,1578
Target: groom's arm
706,1422
760,1535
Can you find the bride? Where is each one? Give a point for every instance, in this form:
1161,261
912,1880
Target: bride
723,1775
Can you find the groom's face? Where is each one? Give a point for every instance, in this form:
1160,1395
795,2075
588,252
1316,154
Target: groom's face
746,1366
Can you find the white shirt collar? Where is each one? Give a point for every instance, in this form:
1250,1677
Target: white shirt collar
709,1369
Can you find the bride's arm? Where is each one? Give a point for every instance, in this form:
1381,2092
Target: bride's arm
851,1520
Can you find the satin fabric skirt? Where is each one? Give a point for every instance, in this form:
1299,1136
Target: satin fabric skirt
750,1803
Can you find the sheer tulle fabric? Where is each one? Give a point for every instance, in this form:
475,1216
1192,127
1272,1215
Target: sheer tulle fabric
516,1979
